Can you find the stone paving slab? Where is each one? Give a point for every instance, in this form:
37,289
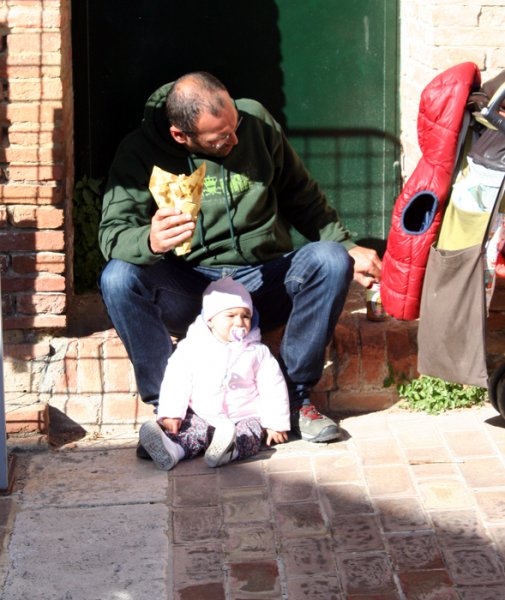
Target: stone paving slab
407,507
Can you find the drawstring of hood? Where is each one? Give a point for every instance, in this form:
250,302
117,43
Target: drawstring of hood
227,203
228,208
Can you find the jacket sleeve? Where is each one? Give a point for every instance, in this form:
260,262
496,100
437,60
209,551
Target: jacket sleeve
272,391
175,391
128,206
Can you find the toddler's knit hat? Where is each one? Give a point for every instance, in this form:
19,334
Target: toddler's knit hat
224,294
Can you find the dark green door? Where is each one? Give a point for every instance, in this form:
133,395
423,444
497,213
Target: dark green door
339,63
325,69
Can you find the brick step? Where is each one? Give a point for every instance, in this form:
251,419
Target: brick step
84,385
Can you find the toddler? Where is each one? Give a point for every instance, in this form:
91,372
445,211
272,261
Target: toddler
223,390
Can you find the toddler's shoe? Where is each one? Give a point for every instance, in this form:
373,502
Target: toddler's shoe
160,448
222,447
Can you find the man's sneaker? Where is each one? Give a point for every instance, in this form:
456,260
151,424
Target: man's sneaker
159,447
309,424
222,447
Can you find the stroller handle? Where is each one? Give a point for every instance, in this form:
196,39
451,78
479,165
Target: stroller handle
490,114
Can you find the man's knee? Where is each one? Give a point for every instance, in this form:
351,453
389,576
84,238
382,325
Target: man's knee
331,258
117,278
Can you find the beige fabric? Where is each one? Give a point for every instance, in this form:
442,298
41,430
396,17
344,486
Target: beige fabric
452,323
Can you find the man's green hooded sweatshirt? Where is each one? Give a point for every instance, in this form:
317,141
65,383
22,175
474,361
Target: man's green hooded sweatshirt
250,198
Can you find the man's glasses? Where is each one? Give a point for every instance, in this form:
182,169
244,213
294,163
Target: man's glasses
217,144
222,140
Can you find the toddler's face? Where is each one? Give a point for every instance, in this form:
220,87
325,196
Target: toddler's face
226,324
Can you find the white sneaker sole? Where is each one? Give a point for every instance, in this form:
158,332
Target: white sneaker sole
151,437
221,448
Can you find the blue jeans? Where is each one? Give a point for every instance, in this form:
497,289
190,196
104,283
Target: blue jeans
304,290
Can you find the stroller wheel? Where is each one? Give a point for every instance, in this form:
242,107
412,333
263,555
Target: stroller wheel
497,389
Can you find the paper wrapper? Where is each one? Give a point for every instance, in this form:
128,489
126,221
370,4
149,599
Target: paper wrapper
178,191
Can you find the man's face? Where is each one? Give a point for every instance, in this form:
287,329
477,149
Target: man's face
212,136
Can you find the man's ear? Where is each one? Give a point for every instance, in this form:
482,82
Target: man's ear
179,136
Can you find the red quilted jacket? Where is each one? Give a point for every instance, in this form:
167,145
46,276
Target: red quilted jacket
417,212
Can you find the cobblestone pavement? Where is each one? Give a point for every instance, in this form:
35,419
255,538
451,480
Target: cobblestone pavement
408,506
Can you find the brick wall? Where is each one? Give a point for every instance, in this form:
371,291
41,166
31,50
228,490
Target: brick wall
435,35
35,164
87,377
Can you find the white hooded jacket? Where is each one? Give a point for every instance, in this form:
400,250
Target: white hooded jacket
235,380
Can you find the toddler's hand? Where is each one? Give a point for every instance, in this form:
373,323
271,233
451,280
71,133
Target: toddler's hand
170,425
277,437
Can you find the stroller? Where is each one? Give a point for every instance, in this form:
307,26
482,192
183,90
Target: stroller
452,236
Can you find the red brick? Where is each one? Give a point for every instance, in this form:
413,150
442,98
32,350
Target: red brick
5,261
28,42
43,261
320,400
45,217
67,380
118,375
31,15
21,90
30,194
27,351
362,401
125,408
34,68
34,135
496,320
38,240
373,353
39,321
113,348
8,304
32,112
25,154
15,63
89,366
41,303
346,338
38,283
84,409
349,372
401,354
29,419
47,172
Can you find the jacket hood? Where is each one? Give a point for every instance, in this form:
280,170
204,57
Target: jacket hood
156,126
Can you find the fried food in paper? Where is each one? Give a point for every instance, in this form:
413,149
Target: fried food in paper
178,191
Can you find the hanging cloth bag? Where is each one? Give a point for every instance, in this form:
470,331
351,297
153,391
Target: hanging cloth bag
453,311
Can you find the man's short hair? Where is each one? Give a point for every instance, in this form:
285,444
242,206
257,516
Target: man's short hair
191,95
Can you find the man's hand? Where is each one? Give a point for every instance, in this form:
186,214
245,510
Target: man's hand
170,425
169,228
277,437
367,265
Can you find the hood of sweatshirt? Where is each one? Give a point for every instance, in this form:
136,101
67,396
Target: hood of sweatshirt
156,126
251,197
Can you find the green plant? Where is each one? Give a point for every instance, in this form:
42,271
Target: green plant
88,259
433,395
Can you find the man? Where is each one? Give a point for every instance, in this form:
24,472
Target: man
255,189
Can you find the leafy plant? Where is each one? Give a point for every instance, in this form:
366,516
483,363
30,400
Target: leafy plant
433,395
88,259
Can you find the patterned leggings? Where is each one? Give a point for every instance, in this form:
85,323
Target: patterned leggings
195,436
